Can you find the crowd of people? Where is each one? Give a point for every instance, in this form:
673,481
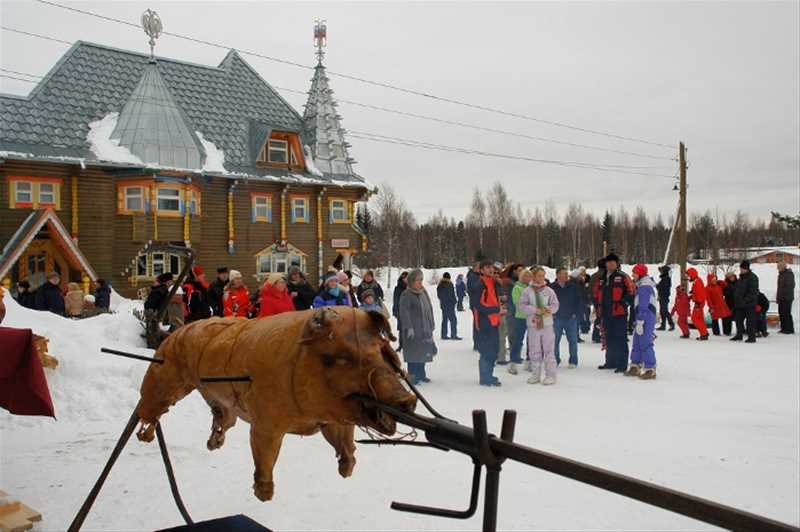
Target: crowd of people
71,302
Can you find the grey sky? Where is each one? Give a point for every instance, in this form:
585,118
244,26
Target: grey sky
723,77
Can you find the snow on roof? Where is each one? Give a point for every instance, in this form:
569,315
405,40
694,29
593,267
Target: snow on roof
103,146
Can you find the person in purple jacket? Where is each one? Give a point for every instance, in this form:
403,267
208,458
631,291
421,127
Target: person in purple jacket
643,353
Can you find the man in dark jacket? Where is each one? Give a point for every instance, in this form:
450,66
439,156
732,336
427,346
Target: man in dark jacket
746,298
49,296
473,282
461,292
616,295
158,292
198,304
217,290
596,282
664,288
299,289
446,293
565,320
728,292
25,297
785,297
486,308
102,295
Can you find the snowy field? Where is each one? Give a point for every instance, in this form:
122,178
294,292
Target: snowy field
722,421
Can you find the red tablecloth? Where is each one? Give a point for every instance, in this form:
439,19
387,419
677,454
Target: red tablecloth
23,386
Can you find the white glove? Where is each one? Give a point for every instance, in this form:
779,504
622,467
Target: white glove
410,334
640,327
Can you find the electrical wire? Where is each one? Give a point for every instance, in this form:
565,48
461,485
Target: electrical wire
18,79
21,73
370,82
30,34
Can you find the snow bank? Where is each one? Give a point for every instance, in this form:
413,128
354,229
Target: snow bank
103,146
215,158
310,166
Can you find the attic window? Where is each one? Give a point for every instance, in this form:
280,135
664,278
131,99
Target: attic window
278,152
282,149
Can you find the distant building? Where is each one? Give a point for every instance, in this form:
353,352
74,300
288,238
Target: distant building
761,255
116,150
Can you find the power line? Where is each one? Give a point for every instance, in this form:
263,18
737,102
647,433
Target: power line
371,82
21,73
18,79
13,30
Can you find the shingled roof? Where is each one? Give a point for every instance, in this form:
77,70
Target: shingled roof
230,105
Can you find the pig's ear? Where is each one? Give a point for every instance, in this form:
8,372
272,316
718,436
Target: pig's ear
319,325
382,325
391,357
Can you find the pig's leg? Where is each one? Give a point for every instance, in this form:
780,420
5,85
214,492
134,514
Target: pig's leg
341,438
266,444
223,419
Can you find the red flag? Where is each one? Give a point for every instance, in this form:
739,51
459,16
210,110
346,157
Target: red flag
23,386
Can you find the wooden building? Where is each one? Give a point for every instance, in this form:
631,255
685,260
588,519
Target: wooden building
118,149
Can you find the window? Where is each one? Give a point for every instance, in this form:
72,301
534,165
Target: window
299,210
169,199
47,194
134,199
33,192
278,258
153,264
278,151
24,192
262,208
194,201
339,212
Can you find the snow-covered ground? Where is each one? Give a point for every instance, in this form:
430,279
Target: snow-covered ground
722,421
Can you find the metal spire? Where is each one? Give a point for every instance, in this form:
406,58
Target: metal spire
320,39
151,24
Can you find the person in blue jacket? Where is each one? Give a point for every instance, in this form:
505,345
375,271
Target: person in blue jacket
331,294
461,292
566,318
447,302
644,310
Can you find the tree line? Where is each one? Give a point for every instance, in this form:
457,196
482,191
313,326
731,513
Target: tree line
500,229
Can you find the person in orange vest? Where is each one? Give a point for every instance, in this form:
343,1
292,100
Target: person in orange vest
236,300
716,302
698,293
681,307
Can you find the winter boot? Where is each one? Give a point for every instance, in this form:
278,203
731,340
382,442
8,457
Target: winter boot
648,374
634,370
672,327
685,336
549,380
512,368
573,366
737,338
662,327
533,379
702,338
750,341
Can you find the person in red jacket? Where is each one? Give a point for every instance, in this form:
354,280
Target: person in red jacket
681,307
236,300
274,297
698,293
716,302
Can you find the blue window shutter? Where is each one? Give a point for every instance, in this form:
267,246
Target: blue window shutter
146,205
293,213
181,206
269,212
253,213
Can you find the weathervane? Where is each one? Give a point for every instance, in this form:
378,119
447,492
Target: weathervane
320,38
151,24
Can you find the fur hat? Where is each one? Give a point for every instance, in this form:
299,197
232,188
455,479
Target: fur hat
234,274
612,256
640,270
273,278
745,264
222,269
367,293
446,275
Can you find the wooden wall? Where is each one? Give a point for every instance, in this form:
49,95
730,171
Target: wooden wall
111,241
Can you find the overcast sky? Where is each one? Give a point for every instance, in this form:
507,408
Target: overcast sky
722,77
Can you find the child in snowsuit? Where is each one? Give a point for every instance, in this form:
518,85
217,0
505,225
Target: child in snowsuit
698,294
681,307
761,315
644,307
539,303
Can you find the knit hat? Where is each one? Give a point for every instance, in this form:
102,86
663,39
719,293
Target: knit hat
691,273
367,293
234,274
612,256
341,277
446,275
640,270
222,269
273,278
198,270
745,264
294,269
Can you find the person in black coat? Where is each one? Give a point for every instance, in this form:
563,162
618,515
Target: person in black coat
728,292
616,296
473,286
25,297
461,292
746,299
217,290
158,292
762,307
102,295
49,296
368,282
664,288
565,320
785,297
446,293
299,289
399,288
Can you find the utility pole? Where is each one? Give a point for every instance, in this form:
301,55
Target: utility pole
683,240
